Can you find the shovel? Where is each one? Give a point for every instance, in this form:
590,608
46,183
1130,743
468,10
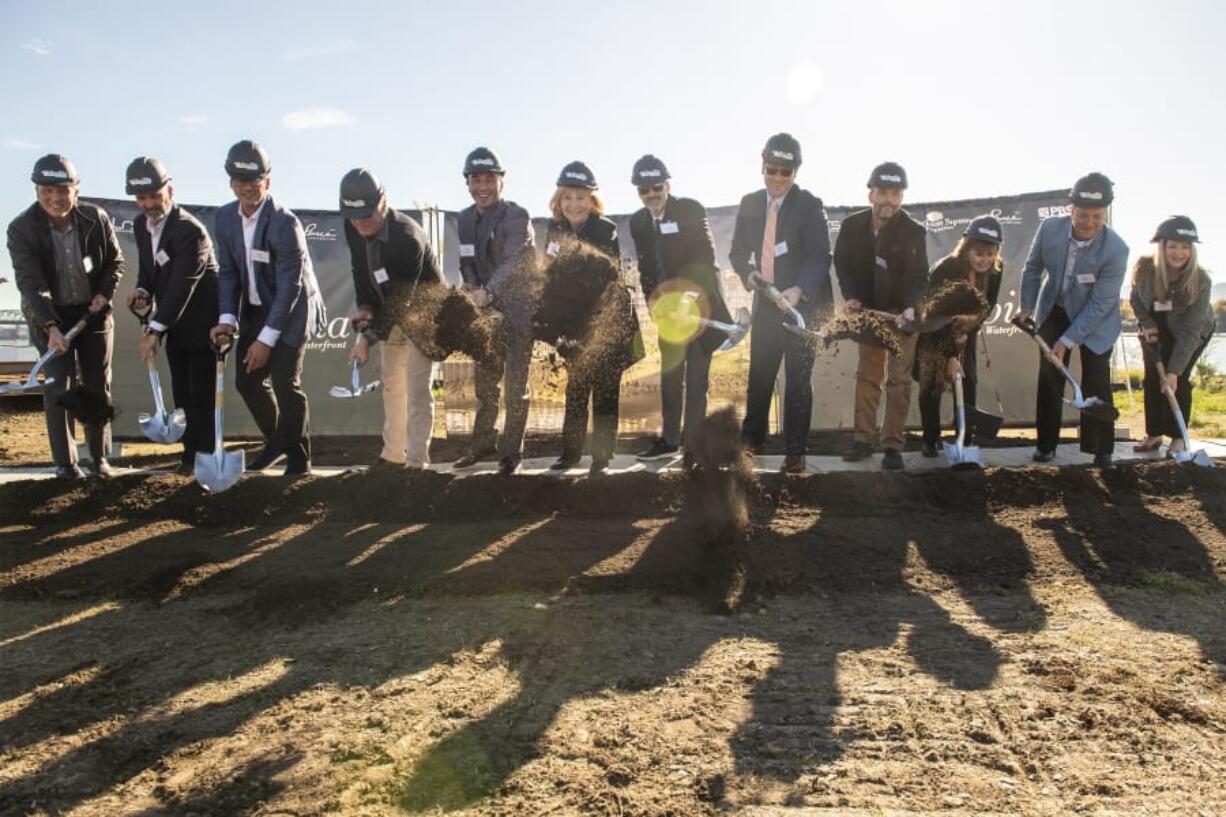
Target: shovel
32,382
355,388
1200,457
1093,406
736,331
962,457
781,303
219,470
161,426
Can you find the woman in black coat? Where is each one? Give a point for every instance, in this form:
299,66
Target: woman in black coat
976,260
587,314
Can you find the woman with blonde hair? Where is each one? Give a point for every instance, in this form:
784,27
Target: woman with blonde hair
587,313
1171,296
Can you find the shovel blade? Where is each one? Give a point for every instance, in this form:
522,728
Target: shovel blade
163,428
1096,408
964,457
218,472
1200,458
343,392
986,426
25,385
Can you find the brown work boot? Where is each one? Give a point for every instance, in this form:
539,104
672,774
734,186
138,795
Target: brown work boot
793,464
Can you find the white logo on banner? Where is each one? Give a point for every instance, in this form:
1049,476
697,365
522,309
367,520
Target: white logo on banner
938,222
1057,210
313,233
121,226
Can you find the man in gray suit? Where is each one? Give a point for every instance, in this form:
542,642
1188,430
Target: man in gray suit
267,293
495,263
1071,283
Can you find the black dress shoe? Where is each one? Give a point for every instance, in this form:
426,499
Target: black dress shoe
1103,461
68,472
753,449
508,465
857,452
1043,456
930,449
472,458
382,466
265,458
564,463
298,470
658,451
892,460
793,464
100,468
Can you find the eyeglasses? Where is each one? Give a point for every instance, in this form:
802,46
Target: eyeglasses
785,172
644,189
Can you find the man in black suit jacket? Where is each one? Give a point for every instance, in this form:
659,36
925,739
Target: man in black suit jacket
676,260
781,238
391,258
178,277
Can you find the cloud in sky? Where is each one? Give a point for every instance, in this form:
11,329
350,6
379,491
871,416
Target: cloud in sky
310,118
314,51
195,120
20,144
38,45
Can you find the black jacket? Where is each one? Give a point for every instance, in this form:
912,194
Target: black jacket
802,225
598,231
408,261
681,247
901,245
33,255
184,288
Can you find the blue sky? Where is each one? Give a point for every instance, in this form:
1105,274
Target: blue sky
974,99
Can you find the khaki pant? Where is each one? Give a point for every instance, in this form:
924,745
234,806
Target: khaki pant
876,363
408,402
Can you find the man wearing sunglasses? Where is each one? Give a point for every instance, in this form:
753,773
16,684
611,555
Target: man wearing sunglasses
781,239
881,259
679,277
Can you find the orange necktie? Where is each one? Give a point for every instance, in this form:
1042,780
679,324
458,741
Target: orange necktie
767,263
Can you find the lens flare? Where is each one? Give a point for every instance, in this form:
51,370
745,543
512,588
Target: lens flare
677,309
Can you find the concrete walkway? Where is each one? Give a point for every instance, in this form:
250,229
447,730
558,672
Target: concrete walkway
624,464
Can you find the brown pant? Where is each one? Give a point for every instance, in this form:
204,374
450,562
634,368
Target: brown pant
876,363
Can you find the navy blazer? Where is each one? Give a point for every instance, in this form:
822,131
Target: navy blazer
1092,300
286,283
802,225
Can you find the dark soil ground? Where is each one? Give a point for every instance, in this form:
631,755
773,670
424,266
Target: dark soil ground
1028,641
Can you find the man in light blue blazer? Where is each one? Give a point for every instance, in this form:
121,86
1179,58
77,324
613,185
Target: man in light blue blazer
268,294
1071,283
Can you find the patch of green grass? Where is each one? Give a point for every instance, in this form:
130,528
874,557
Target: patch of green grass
1172,583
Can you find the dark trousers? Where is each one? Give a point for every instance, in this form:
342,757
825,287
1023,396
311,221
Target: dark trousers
770,343
510,370
1159,419
192,381
89,360
273,394
684,375
1096,436
930,401
602,391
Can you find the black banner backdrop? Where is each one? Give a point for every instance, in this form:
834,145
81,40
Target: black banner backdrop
1010,373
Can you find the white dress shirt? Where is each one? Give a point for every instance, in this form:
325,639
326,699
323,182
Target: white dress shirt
268,335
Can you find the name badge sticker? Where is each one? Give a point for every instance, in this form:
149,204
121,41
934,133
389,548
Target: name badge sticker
1085,278
260,256
162,258
468,250
552,249
669,228
88,264
381,276
881,262
781,249
1162,306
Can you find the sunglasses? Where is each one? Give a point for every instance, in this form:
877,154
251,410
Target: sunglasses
785,172
644,189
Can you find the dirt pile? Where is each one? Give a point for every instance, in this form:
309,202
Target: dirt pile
441,321
862,327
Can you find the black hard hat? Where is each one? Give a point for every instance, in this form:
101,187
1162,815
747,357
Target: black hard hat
782,150
649,170
1093,190
145,175
247,160
482,160
1177,228
986,229
577,174
361,191
888,174
55,170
